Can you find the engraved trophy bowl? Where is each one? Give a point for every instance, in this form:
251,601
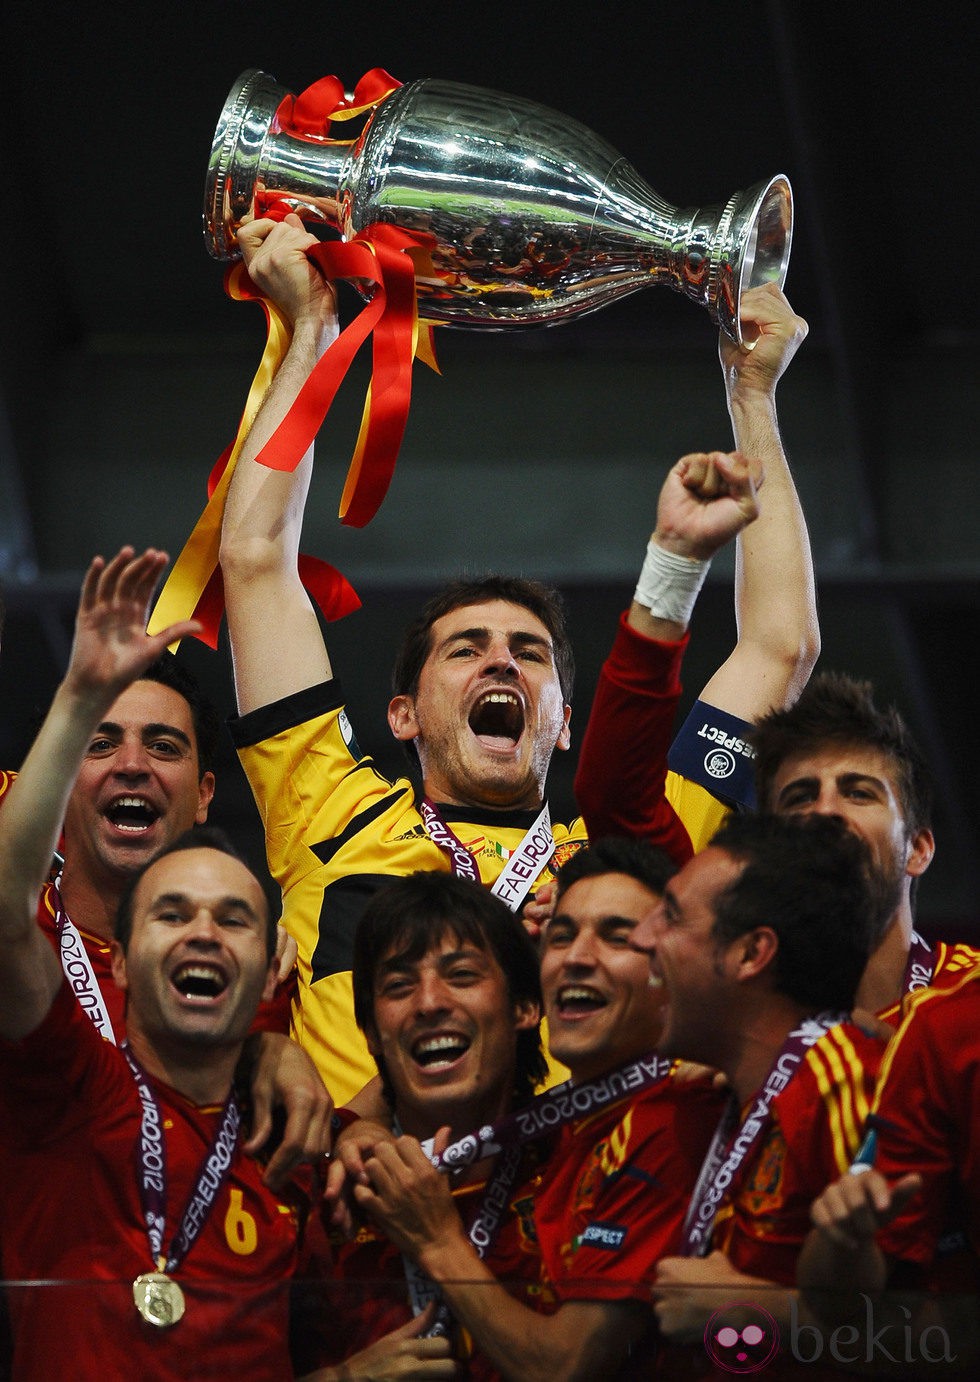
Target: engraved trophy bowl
529,217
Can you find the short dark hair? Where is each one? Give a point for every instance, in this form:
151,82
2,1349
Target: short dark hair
410,915
810,879
618,854
835,709
204,714
199,837
542,601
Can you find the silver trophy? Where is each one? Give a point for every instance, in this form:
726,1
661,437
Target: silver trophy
529,217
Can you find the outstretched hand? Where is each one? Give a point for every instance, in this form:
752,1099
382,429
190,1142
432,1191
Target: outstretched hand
706,499
111,647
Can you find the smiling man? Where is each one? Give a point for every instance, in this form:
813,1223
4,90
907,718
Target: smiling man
148,1234
145,779
757,950
611,1199
447,993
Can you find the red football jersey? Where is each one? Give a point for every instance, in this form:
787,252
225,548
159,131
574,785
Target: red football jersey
368,1295
816,1126
951,962
927,1121
71,1212
616,1190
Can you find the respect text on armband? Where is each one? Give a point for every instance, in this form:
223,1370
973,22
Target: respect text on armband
726,741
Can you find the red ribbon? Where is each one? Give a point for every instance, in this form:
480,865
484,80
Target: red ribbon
310,113
325,584
381,256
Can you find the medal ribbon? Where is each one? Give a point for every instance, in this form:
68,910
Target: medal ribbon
553,1110
920,966
523,866
78,967
505,1140
735,1137
482,1232
152,1163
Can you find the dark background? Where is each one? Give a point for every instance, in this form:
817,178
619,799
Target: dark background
123,367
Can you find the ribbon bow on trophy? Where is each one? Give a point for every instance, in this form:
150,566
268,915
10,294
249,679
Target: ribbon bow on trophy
454,205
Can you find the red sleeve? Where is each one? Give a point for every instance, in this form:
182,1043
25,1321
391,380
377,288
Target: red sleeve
274,1016
930,1083
622,767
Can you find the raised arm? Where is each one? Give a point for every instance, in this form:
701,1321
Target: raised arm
775,599
276,644
110,650
704,502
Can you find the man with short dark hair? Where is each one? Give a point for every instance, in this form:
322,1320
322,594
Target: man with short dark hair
146,778
446,990
184,1252
630,1140
758,948
836,752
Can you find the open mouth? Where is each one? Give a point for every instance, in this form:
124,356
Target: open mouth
133,814
201,981
578,1000
439,1052
497,719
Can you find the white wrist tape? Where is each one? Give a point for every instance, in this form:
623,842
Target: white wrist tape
668,586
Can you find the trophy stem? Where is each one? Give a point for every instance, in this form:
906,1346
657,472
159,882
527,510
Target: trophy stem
709,254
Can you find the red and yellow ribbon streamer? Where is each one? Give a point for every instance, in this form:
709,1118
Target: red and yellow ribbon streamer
382,256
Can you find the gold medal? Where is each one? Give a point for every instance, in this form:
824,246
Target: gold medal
159,1299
